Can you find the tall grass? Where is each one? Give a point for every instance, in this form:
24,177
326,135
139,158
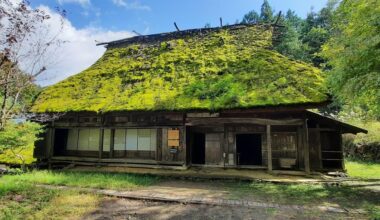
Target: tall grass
83,179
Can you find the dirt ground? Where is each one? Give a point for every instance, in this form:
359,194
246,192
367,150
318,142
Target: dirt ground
114,208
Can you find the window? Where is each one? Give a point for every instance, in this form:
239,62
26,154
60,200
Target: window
87,139
143,139
84,139
119,139
132,139
72,139
107,140
135,139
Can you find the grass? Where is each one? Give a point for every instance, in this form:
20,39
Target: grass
20,198
23,200
83,179
365,170
307,194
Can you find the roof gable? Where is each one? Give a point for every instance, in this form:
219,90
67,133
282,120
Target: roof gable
224,68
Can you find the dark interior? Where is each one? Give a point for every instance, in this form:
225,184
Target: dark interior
332,155
60,141
198,149
248,149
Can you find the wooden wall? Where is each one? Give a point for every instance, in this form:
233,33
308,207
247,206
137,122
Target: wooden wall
287,141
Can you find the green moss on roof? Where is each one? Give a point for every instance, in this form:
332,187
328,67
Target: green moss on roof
220,69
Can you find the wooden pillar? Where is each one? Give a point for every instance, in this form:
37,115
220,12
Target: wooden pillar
184,146
101,137
112,141
269,147
306,148
52,139
319,147
341,149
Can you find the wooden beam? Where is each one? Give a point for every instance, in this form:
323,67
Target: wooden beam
269,148
319,144
258,121
221,22
278,18
51,151
306,148
101,137
176,27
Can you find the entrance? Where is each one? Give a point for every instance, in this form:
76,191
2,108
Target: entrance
60,141
198,149
248,149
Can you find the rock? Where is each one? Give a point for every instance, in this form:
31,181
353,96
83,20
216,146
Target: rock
18,198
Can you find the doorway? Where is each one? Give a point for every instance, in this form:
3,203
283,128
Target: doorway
248,149
60,141
198,149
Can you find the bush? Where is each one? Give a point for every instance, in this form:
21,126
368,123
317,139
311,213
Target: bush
363,146
361,151
17,142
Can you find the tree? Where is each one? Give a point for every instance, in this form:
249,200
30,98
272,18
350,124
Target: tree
251,17
290,43
16,138
353,52
26,48
266,14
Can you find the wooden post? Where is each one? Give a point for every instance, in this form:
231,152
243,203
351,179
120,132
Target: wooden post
269,148
184,147
319,144
101,137
306,148
112,141
341,149
51,151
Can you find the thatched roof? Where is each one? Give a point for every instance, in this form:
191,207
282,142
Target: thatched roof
203,69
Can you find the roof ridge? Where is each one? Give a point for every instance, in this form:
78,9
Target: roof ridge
181,33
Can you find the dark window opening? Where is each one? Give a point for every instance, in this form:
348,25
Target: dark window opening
60,141
198,148
248,149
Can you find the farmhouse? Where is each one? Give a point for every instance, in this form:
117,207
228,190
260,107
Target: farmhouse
219,97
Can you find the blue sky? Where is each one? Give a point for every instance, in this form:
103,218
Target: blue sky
153,16
91,21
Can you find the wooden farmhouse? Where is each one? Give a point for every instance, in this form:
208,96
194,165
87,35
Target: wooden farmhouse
213,97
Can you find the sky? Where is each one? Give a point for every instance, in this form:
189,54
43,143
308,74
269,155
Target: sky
90,21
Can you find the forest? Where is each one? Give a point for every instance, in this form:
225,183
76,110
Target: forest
343,40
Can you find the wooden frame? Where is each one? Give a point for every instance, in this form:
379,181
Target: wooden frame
227,123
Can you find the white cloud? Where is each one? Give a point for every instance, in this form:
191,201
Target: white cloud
79,52
83,3
131,5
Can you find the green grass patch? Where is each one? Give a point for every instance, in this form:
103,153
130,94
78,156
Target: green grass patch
25,201
362,169
307,194
20,198
84,179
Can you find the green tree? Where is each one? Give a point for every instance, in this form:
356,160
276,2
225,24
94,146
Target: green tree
251,17
266,14
289,42
17,141
353,53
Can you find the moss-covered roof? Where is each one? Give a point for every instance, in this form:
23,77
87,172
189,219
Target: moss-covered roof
208,69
